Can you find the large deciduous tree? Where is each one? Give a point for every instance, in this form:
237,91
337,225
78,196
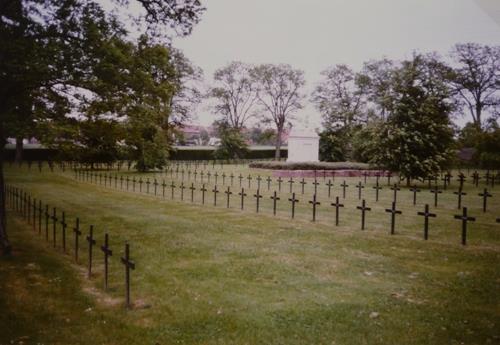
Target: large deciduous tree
338,98
416,138
279,94
476,79
234,94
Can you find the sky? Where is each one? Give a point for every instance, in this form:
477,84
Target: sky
312,35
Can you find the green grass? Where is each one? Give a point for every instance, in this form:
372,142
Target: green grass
211,275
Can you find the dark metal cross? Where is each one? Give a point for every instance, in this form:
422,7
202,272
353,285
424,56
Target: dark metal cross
240,178
228,194
203,190
216,175
133,184
459,193
344,186
426,214
389,175
395,188
436,191
121,181
290,183
232,178
329,185
257,197
314,203
172,187
363,209
156,185
91,243
377,188
464,218
415,190
223,178
475,178
365,174
269,179
258,181
107,253
303,183
461,179
279,183
182,187
249,178
293,201
64,226
315,183
147,185
275,198
77,232
140,185
337,205
192,188
359,186
485,196
129,265
243,195
393,213
215,191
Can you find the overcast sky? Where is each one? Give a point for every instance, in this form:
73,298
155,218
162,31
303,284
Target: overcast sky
313,34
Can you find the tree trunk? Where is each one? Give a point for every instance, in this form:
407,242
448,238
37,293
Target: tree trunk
277,155
19,150
479,109
4,240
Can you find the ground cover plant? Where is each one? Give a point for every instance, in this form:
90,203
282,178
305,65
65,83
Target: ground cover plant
212,274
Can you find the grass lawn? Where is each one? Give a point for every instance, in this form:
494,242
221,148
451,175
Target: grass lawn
212,275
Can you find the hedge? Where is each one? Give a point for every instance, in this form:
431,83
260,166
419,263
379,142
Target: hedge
311,165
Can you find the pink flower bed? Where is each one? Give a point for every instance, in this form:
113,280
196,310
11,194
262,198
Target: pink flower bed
328,173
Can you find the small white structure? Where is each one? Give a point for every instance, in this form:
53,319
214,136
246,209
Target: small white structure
303,145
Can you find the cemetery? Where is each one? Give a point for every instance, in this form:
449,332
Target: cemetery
249,172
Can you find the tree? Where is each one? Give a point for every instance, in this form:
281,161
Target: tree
234,94
476,78
338,98
45,59
417,138
233,144
278,92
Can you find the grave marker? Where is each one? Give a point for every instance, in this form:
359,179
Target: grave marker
293,201
464,218
91,243
485,196
77,232
107,253
243,195
337,205
459,194
393,213
129,265
426,214
363,208
275,198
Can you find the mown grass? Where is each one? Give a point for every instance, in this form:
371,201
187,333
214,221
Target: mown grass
211,275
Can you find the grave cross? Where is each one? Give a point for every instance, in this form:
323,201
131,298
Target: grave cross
40,217
147,185
315,183
201,176
475,178
215,191
140,185
129,265
464,218
243,195
163,185
121,181
363,210
216,175
415,190
228,194
337,205
156,185
445,182
240,178
485,194
459,194
63,226
269,179
107,253
223,178
436,191
393,213
249,178
461,179
377,187
275,198
290,183
133,184
426,214
344,185
91,243
258,181
172,188
389,175
279,183
293,201
314,203
329,185
257,197
77,232
365,174
303,183
359,186
232,178
192,188
208,176
182,187
34,214
128,180
203,190
395,188
54,225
